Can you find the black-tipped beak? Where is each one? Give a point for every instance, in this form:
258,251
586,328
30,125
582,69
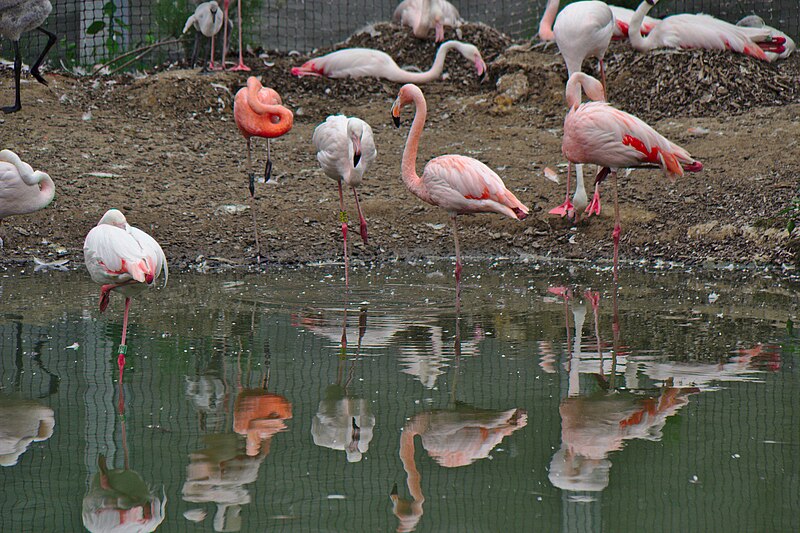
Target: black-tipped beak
482,77
396,121
394,490
356,158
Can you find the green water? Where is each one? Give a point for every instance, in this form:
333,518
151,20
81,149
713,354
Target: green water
247,406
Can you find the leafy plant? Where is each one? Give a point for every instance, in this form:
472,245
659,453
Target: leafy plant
170,16
112,25
792,214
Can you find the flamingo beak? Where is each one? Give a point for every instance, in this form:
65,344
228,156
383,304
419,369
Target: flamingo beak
480,66
396,113
356,150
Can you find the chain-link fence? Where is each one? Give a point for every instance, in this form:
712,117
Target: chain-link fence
92,31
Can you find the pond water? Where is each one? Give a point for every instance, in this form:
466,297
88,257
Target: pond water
553,399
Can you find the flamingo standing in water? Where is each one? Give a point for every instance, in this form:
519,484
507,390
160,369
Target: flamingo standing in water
206,19
241,66
259,112
456,183
703,31
16,18
22,190
421,15
345,150
366,62
124,259
597,133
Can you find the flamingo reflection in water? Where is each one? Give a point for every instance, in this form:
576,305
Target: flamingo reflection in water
453,437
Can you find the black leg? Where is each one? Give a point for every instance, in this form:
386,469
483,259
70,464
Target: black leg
17,71
51,40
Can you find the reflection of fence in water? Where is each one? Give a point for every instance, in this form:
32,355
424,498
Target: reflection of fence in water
306,24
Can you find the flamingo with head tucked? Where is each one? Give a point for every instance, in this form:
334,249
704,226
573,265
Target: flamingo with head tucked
16,18
756,23
703,31
597,133
345,150
422,15
366,62
207,19
22,190
241,66
456,183
259,112
124,259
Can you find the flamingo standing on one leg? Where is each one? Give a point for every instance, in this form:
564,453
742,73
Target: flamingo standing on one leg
206,19
259,112
703,31
597,133
124,259
241,66
345,149
456,183
16,18
22,190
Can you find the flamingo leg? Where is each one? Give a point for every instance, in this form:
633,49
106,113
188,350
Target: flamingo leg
603,76
594,205
458,256
17,72
617,226
211,61
241,65
439,32
195,49
567,206
343,218
361,218
51,40
252,185
225,19
123,348
268,166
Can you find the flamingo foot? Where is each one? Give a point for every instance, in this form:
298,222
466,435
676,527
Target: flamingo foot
364,236
594,298
616,233
105,296
439,33
241,67
562,209
594,206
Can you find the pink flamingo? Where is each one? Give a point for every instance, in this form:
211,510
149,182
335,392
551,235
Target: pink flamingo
124,259
22,190
366,62
345,150
420,15
457,184
259,112
702,31
597,133
207,19
241,66
754,21
622,19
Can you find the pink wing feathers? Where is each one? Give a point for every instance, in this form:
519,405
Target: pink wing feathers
350,62
705,31
114,255
462,184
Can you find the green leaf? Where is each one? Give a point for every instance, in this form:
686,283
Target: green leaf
790,226
96,27
109,9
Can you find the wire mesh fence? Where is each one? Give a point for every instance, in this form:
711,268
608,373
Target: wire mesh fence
92,31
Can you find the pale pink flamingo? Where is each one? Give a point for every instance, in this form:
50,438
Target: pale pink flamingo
754,21
241,66
421,15
259,112
622,20
456,183
366,62
597,133
16,18
207,19
345,150
22,190
702,31
124,259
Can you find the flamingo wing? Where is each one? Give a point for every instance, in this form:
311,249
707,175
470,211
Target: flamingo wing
152,251
350,63
583,29
462,184
112,255
334,151
710,33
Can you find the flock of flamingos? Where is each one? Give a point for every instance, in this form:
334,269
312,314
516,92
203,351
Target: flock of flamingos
126,260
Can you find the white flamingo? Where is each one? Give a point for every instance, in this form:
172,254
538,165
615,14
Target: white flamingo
22,190
754,21
206,19
421,15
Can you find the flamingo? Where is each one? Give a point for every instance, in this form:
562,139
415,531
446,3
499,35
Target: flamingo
259,112
622,19
702,31
22,190
420,15
122,258
366,62
754,21
206,19
581,30
345,150
456,183
241,66
595,132
16,18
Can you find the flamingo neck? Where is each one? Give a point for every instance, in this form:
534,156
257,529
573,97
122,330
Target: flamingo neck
47,189
643,43
546,24
408,167
579,83
403,76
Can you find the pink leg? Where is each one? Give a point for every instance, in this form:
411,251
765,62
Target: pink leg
567,205
225,33
122,346
594,205
252,184
617,226
439,32
241,66
603,76
211,61
458,256
361,218
105,294
343,218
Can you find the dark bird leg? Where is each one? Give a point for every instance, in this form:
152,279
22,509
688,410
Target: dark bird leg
343,218
51,40
361,218
195,50
17,71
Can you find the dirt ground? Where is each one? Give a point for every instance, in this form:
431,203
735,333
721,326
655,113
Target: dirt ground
164,149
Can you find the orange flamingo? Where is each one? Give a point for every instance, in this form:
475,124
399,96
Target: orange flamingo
259,112
456,183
